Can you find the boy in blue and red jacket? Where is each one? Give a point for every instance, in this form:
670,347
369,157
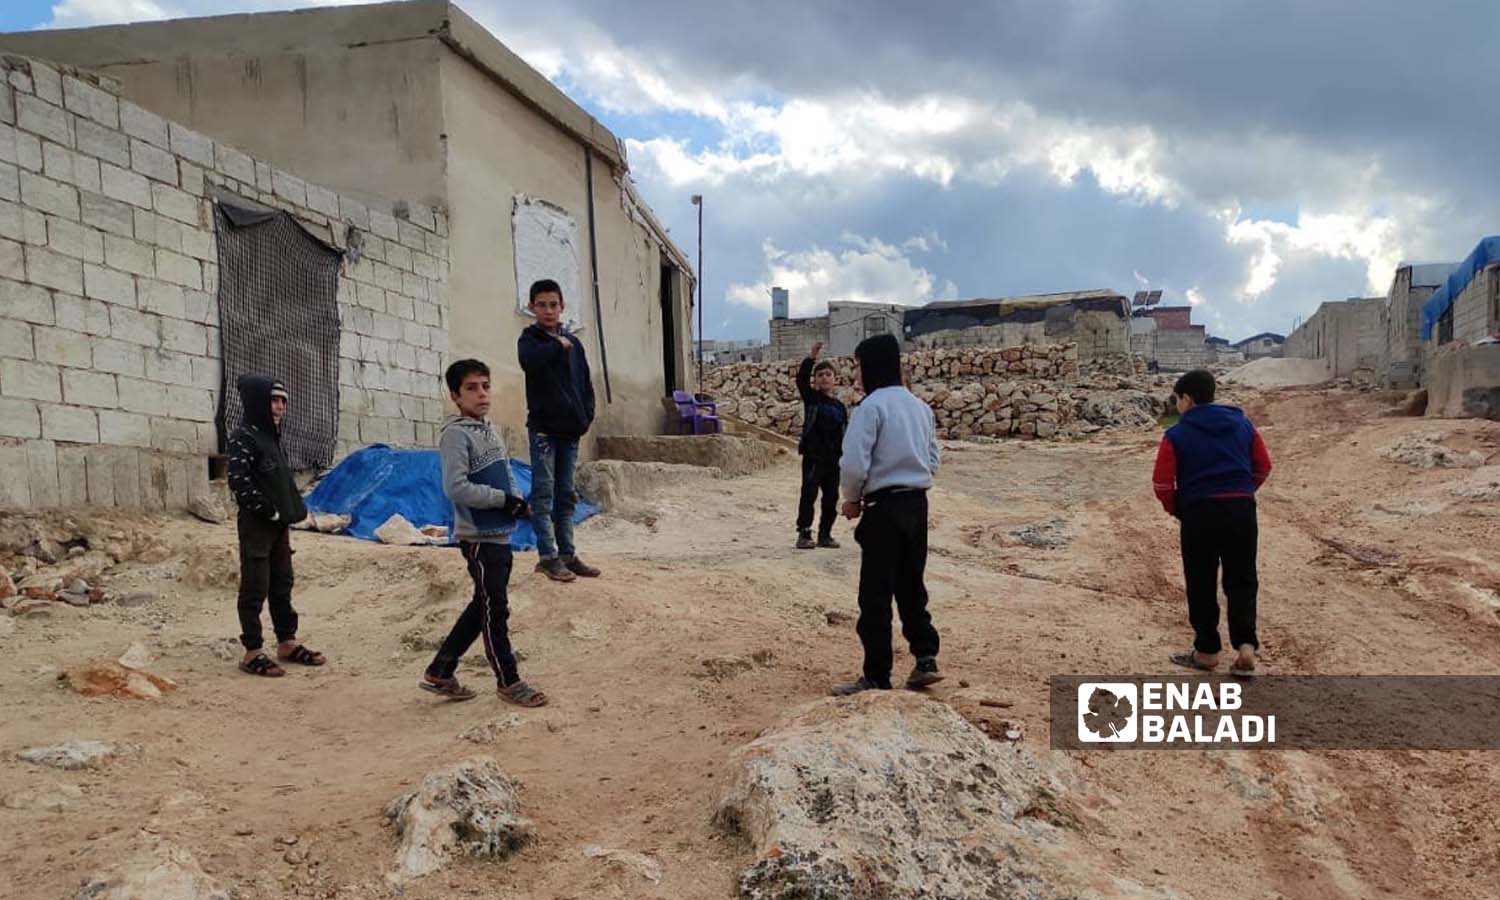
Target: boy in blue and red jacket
1208,468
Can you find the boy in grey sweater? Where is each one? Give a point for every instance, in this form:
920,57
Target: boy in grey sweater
476,477
889,457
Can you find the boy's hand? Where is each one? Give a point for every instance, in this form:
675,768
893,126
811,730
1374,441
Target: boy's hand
516,507
817,348
567,344
852,509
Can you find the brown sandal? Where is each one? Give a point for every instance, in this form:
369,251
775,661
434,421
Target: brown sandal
522,694
261,664
447,687
303,656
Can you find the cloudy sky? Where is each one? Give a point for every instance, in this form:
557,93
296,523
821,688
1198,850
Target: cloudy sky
1252,157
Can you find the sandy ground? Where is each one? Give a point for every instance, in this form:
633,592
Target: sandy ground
1368,566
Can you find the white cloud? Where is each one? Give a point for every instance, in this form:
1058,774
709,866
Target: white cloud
1376,240
83,13
863,269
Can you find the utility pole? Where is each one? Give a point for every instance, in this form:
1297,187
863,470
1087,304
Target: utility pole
698,202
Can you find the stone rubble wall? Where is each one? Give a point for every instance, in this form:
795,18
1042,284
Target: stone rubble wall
996,392
109,327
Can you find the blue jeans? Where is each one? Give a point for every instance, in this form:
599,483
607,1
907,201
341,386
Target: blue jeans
552,496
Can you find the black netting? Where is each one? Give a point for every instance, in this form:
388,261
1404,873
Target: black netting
278,316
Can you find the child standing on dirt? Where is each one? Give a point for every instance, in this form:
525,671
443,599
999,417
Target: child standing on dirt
1208,468
476,478
269,505
890,454
559,411
823,421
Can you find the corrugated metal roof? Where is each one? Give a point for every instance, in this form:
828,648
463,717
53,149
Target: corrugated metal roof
1029,299
1429,274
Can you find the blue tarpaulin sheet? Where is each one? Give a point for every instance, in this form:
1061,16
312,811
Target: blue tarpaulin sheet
1488,251
376,482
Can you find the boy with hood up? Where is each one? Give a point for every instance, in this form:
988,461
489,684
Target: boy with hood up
1208,468
476,477
269,504
890,454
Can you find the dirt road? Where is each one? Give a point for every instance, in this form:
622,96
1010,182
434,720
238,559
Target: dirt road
707,625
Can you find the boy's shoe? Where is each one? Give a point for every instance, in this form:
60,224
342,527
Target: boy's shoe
828,543
805,540
579,567
555,569
924,673
858,685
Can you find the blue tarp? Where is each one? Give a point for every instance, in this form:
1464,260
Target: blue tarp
376,482
1487,251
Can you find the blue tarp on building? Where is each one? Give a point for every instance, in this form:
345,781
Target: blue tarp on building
376,482
1487,251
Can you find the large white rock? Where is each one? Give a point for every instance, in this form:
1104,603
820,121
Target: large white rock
163,872
894,796
470,808
71,755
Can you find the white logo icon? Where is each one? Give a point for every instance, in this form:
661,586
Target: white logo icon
1108,712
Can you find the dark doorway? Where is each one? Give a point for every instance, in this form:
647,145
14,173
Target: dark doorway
668,327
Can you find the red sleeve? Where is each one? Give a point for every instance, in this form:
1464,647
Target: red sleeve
1260,461
1164,476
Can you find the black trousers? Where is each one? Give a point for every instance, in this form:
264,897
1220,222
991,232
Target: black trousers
819,475
265,571
487,615
1215,534
892,535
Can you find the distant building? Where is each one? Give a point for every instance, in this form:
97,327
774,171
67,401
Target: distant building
1411,286
1349,335
1257,346
1098,320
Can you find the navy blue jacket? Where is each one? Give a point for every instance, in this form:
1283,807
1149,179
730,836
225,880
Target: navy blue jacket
559,392
1212,452
823,419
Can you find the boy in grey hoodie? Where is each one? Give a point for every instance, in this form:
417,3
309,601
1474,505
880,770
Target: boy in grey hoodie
890,454
476,477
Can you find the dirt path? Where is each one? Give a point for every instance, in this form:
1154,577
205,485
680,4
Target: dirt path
707,625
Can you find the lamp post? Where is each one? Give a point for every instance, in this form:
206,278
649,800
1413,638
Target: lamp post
698,202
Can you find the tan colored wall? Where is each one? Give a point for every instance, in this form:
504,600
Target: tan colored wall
1464,381
498,148
109,321
365,120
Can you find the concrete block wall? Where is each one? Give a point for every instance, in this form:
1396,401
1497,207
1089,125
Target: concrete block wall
793,338
109,328
1476,311
1181,350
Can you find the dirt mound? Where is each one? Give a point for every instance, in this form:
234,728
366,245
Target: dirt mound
1427,451
731,455
613,483
1274,372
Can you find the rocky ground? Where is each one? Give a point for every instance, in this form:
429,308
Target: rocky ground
687,741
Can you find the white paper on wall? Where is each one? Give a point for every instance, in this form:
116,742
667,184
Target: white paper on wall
546,246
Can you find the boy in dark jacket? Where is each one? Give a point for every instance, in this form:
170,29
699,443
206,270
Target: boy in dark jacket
476,477
559,410
269,504
823,421
1208,468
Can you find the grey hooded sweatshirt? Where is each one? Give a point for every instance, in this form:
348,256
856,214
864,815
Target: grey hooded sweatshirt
476,477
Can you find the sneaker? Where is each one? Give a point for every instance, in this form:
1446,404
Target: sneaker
555,569
858,685
805,540
924,673
579,567
828,543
